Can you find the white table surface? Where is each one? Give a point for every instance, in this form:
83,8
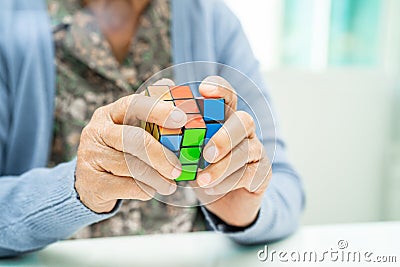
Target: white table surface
211,249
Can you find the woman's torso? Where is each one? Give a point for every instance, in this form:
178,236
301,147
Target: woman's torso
88,77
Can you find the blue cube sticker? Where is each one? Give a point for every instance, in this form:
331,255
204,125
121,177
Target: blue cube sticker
212,128
172,142
214,110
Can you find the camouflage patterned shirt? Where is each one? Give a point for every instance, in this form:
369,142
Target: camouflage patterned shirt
88,77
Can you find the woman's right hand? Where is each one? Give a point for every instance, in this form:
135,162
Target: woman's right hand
117,159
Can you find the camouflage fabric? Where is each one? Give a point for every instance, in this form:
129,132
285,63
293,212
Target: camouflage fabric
88,77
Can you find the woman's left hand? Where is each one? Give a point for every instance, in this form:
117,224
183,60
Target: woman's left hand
233,185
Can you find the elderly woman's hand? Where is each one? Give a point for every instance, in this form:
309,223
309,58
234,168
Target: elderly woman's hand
114,149
234,184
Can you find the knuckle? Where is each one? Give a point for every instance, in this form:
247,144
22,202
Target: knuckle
244,147
107,128
260,151
109,135
99,113
86,133
98,125
222,138
85,151
251,125
140,171
152,114
136,136
217,173
255,151
149,141
234,96
131,163
253,168
127,108
246,119
160,112
131,101
147,172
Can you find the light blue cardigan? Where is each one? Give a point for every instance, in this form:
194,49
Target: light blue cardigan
39,206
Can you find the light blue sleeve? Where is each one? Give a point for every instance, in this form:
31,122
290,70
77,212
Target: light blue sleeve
38,206
284,199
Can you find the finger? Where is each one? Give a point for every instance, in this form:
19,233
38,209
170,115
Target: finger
139,143
248,151
123,164
253,177
237,128
167,82
201,195
218,87
135,108
164,81
238,179
113,187
146,175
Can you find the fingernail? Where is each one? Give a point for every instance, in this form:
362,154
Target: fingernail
178,115
210,87
210,153
172,189
204,179
176,173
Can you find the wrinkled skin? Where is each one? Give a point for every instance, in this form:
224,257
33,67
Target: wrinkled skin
114,149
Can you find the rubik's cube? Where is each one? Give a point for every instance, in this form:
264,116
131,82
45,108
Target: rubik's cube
205,118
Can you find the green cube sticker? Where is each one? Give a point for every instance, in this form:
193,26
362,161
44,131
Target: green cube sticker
190,155
193,137
189,173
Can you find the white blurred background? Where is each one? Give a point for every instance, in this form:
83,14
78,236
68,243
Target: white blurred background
333,68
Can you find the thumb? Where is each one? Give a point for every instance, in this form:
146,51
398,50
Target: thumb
132,109
218,87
